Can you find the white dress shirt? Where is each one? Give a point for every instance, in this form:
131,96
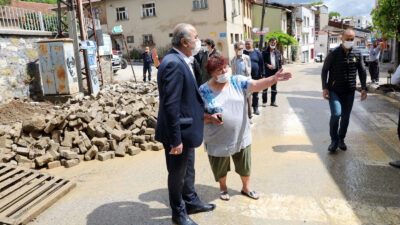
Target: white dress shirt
273,59
188,60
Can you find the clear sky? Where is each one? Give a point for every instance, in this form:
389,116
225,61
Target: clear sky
344,7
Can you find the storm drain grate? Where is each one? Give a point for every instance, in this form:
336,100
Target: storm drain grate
25,193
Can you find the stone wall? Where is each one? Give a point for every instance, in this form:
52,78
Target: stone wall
18,66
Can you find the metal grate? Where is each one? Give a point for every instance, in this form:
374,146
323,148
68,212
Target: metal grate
25,193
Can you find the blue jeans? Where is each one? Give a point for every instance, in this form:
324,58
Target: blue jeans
341,106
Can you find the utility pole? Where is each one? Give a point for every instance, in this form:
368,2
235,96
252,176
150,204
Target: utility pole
261,45
73,33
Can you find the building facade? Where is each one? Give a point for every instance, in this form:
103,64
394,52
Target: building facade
306,42
151,23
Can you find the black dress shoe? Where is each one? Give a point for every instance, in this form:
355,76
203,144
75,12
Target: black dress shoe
200,208
395,164
342,145
256,112
274,104
333,146
183,220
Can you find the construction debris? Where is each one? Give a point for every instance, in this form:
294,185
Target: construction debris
120,120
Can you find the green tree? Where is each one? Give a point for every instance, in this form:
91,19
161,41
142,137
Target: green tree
283,40
5,2
332,14
317,3
386,19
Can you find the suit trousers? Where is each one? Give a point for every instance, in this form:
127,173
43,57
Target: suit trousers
274,91
181,177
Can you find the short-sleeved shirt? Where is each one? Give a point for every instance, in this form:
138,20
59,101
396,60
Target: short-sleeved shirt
231,102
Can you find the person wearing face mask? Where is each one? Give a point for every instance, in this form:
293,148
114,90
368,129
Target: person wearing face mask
257,69
342,65
147,61
273,63
180,123
373,64
241,65
227,130
208,48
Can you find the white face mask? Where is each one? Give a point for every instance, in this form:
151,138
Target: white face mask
272,46
204,48
348,44
223,78
196,48
240,52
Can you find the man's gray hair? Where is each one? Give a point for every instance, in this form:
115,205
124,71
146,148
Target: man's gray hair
237,44
180,31
249,40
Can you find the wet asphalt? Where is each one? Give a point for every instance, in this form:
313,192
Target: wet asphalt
298,181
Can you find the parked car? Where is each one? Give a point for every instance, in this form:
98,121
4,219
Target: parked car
365,54
116,60
319,57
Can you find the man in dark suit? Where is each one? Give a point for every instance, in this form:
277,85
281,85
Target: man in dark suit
180,122
273,63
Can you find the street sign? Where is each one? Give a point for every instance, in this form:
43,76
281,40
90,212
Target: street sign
262,32
256,29
213,34
117,29
222,35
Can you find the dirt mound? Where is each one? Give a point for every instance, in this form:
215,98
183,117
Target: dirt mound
18,111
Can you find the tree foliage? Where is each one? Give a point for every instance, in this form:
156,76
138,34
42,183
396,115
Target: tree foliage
42,1
5,2
332,14
317,3
386,18
282,39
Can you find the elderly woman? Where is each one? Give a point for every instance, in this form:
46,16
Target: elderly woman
227,129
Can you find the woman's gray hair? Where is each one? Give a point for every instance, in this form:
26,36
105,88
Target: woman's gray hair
237,44
180,31
249,40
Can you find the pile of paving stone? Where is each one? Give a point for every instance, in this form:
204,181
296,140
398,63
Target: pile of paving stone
120,120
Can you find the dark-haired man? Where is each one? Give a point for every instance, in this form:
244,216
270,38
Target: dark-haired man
208,47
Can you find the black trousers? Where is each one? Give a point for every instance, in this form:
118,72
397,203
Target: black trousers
398,127
374,71
181,176
274,90
146,68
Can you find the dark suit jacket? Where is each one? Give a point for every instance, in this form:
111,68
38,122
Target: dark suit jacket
181,112
267,60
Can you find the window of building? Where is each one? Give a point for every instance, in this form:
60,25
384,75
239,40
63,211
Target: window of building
147,39
231,38
149,10
200,4
122,13
170,34
130,39
304,21
236,37
308,21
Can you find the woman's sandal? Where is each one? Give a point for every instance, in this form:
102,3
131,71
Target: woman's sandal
224,193
251,194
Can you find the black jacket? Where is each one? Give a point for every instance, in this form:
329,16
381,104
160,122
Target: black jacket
267,60
342,68
181,110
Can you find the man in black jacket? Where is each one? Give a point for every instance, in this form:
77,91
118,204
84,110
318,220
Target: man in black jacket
342,65
273,63
180,123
